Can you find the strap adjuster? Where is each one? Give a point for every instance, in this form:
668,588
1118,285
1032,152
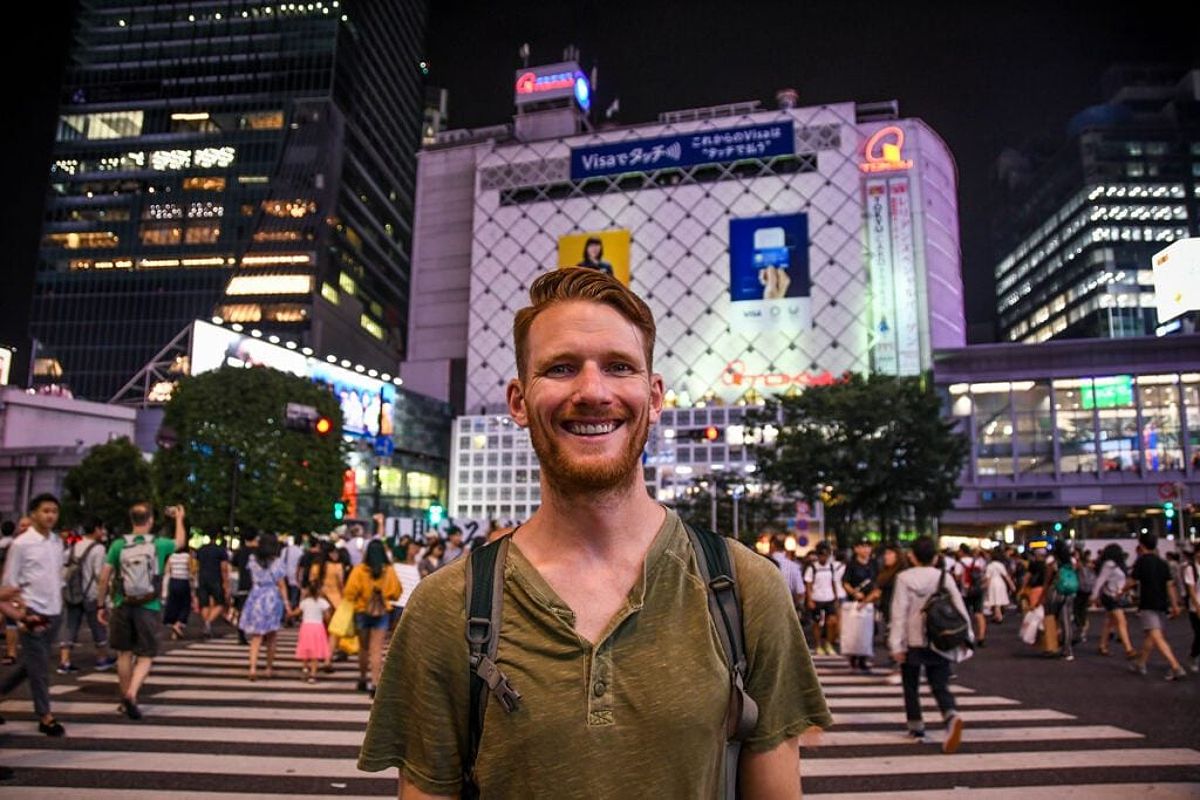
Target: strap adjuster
479,630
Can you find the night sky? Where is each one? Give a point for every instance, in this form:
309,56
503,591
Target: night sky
984,76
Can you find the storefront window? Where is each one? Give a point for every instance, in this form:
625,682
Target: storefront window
1112,397
1191,405
1158,396
993,429
1035,427
1076,426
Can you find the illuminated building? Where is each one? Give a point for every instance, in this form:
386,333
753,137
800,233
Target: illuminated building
1077,233
249,162
777,248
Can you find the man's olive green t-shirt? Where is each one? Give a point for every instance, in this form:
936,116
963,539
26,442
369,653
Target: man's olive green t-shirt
640,713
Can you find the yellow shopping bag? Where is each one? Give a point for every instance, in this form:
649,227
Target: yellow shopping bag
349,645
342,623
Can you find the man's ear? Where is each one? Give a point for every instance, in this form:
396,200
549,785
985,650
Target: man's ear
516,403
657,392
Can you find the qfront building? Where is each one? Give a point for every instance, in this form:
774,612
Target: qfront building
777,247
252,162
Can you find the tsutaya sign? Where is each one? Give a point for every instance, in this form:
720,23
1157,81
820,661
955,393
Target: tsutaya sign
882,153
552,82
891,256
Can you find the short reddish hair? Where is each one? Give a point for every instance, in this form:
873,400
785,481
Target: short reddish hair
581,283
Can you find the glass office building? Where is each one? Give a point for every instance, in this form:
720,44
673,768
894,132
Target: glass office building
240,160
1077,233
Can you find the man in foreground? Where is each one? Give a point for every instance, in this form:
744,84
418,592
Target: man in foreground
607,635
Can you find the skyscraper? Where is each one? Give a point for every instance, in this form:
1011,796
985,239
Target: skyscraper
239,160
1075,238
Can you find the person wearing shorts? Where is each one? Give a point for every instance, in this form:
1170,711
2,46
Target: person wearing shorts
133,629
823,587
212,576
1156,594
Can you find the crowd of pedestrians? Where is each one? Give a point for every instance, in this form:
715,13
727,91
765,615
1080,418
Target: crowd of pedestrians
132,588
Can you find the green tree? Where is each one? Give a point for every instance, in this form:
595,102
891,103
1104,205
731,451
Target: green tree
232,447
875,450
112,477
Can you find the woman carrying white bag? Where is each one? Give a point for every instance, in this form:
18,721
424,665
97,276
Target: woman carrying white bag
858,611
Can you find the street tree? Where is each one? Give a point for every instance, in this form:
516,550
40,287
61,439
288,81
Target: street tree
111,478
232,457
875,450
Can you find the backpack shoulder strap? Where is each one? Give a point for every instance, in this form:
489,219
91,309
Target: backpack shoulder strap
724,604
484,598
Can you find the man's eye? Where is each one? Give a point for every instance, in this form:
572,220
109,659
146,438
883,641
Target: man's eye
558,370
622,367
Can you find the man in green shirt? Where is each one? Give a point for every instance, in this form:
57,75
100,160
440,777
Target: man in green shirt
605,627
134,622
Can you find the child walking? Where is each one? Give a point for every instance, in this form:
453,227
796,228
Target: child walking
312,646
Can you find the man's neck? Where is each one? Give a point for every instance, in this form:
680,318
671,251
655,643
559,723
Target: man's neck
595,527
141,531
43,531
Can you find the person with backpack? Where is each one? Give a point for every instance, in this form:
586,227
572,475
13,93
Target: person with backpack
85,559
930,629
1062,584
972,573
373,587
34,569
597,630
134,565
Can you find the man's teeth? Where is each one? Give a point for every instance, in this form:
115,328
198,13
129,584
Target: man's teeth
592,430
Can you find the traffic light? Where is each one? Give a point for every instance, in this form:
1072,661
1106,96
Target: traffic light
711,433
339,510
436,514
323,426
1169,509
1058,527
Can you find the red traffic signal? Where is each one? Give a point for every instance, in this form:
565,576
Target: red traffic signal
711,433
323,425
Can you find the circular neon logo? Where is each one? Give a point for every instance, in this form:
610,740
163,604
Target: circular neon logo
583,92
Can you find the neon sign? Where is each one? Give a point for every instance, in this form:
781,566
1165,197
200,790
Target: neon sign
882,151
735,374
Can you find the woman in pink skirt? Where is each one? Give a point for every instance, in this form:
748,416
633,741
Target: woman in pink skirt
312,647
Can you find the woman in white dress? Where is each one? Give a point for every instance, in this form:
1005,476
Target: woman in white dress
999,584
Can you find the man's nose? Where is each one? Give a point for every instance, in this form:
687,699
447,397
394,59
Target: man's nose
591,384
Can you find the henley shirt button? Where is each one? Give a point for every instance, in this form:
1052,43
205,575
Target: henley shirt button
599,688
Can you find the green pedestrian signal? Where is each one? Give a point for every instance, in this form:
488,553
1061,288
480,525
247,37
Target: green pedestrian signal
1057,527
1169,509
339,510
436,514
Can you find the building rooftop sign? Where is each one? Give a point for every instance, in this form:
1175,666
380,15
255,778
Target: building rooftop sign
882,152
552,82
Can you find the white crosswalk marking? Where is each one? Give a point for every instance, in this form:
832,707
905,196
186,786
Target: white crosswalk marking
204,718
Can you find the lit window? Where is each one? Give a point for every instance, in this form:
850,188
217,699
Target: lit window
269,284
163,211
263,120
290,209
215,157
169,160
274,260
347,283
204,233
207,183
159,234
104,125
85,240
329,293
205,210
240,312
371,326
277,236
1135,169
285,312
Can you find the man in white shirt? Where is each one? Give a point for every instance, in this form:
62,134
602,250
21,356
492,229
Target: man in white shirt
34,566
291,555
792,573
823,585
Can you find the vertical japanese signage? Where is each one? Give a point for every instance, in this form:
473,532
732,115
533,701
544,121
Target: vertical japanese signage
904,275
879,259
